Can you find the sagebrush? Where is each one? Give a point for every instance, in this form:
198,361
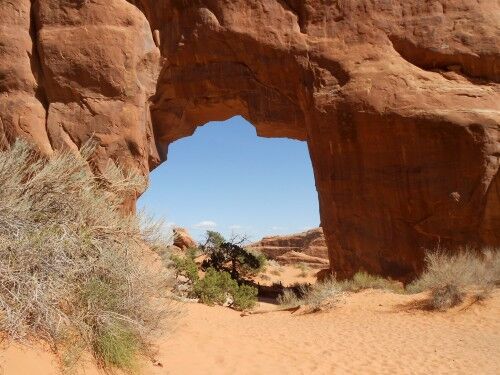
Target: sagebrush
71,262
318,297
449,275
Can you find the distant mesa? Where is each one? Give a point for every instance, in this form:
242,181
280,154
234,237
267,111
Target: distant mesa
307,247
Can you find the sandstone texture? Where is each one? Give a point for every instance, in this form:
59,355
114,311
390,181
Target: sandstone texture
306,247
398,100
182,239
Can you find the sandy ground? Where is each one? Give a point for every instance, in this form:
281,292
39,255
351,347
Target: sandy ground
372,332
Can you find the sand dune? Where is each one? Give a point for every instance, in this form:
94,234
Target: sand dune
372,332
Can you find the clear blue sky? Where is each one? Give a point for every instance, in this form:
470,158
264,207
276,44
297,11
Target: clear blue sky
225,178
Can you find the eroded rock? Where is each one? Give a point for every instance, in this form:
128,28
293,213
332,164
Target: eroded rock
306,247
398,100
182,239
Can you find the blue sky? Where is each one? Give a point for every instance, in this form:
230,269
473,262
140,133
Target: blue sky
227,179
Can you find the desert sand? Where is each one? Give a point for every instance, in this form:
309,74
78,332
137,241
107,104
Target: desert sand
371,332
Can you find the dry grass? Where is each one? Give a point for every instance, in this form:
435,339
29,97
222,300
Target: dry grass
363,280
289,299
448,276
465,268
319,297
71,264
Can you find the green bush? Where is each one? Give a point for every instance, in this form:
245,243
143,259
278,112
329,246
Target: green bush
245,297
187,266
116,345
215,287
230,256
256,267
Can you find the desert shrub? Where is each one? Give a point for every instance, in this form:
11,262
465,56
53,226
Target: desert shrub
116,345
448,276
362,280
323,296
317,297
446,296
252,268
245,297
215,287
72,264
230,256
186,266
465,268
289,299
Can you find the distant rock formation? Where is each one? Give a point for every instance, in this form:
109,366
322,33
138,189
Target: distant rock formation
306,247
182,239
398,100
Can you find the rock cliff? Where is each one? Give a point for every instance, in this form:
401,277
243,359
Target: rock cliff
398,100
306,247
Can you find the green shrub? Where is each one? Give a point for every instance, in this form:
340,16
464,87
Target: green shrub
230,256
245,297
255,268
116,345
72,264
215,287
187,266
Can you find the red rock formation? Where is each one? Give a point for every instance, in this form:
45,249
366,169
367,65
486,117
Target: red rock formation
305,247
399,101
182,239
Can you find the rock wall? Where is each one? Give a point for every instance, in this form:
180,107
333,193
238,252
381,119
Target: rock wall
399,101
307,247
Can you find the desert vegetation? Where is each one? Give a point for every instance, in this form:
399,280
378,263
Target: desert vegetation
73,269
449,277
223,270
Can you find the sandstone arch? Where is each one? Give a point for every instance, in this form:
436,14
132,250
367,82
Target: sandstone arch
398,100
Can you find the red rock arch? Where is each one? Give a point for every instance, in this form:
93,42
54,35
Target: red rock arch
398,101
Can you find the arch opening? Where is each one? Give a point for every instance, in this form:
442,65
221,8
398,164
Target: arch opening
226,178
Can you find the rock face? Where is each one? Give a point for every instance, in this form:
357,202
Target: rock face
182,239
398,100
305,247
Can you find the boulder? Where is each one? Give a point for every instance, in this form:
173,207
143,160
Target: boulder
182,239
